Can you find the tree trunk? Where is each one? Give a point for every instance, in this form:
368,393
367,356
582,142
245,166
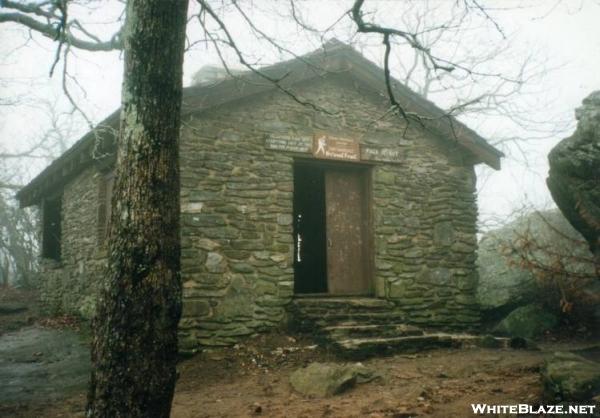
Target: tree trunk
5,271
134,350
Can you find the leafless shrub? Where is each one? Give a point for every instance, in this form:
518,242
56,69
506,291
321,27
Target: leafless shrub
545,245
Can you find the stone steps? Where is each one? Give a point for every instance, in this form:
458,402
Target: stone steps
349,330
359,348
343,302
359,327
308,322
313,313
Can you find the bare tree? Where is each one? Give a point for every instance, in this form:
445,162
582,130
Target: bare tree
18,243
19,228
558,258
141,305
134,350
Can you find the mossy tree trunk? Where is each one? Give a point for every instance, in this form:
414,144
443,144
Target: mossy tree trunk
134,350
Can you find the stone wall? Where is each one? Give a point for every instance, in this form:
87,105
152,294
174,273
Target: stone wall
237,213
70,286
236,231
425,218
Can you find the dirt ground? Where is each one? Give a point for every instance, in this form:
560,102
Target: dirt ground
252,379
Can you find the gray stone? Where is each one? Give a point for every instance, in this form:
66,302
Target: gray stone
236,304
265,287
529,321
328,379
284,219
385,177
215,263
195,308
204,195
285,289
443,234
87,308
574,177
441,275
9,308
242,267
572,378
207,244
398,289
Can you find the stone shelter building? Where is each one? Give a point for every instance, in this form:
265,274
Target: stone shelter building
317,200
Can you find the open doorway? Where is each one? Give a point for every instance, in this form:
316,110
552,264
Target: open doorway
332,251
310,248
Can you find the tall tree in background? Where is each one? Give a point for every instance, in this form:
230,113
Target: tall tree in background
134,349
19,228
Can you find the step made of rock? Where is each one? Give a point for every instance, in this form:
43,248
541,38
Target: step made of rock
365,318
360,348
363,327
349,330
318,324
316,306
330,302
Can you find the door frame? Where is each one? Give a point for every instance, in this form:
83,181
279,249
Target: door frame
366,170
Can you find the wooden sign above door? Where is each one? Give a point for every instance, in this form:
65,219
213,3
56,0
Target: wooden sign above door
289,143
335,148
329,147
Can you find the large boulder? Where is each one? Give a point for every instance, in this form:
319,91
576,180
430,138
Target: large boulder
328,379
515,262
570,378
529,321
574,176
502,285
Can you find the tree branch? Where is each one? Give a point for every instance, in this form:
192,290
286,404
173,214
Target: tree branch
410,38
52,27
276,81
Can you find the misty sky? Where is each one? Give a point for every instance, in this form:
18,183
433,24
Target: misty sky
562,40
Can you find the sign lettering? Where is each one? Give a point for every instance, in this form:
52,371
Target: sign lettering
334,148
390,155
295,144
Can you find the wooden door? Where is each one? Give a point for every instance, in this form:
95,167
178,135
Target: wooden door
347,224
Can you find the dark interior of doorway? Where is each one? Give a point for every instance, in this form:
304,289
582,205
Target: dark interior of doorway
310,247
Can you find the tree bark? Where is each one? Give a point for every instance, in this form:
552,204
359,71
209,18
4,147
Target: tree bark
5,271
134,350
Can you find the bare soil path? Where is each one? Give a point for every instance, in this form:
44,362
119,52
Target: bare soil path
44,370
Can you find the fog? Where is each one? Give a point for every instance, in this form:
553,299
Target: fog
559,41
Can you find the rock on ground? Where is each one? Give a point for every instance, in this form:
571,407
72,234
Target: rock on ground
569,377
502,286
42,364
529,321
328,379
